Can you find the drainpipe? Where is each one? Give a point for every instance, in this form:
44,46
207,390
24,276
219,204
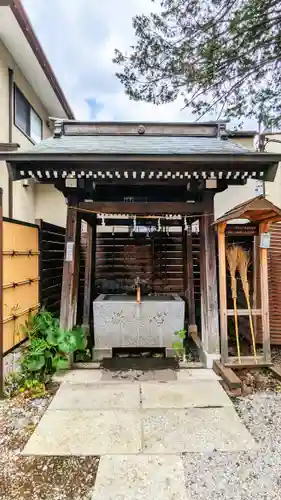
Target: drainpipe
11,120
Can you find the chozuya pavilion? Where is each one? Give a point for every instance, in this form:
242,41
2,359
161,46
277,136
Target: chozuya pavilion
142,188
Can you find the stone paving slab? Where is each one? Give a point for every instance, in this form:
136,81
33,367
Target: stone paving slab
84,432
194,430
139,478
96,397
184,395
81,376
196,374
165,375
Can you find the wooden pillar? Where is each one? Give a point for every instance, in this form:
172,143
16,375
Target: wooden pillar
263,228
69,294
222,291
256,281
87,279
208,284
189,280
89,284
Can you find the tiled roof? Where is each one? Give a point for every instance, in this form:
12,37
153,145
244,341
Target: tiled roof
136,145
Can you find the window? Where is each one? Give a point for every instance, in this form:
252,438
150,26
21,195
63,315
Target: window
26,119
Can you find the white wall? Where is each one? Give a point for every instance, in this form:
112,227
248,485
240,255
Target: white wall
50,204
238,194
24,198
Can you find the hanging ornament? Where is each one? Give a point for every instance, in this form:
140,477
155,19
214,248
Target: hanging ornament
159,225
135,223
185,224
168,231
102,220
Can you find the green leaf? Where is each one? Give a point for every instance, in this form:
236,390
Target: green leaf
60,363
177,345
35,363
68,343
181,334
81,338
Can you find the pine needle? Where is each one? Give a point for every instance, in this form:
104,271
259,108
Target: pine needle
244,261
232,259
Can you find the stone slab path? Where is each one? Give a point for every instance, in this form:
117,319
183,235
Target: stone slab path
141,425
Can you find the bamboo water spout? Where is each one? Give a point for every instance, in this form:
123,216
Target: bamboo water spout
137,284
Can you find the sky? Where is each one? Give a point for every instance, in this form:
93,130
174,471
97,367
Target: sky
79,38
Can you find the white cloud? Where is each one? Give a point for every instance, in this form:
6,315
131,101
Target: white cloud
79,38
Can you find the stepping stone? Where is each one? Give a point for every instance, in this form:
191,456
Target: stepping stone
84,432
180,395
194,430
140,477
96,397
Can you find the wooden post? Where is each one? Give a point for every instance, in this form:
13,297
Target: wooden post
223,292
189,281
208,285
263,228
69,294
255,281
87,282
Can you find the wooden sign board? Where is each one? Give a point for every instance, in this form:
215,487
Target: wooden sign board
241,230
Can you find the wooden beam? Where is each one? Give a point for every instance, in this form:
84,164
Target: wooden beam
208,280
263,227
276,371
244,312
87,279
248,362
228,375
222,291
68,310
142,208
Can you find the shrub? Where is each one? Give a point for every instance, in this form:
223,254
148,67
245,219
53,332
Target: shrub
178,345
49,346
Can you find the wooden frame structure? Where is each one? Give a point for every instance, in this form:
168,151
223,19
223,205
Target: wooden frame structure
144,170
262,213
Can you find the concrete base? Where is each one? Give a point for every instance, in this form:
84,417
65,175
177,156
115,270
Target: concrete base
11,362
208,359
100,354
170,353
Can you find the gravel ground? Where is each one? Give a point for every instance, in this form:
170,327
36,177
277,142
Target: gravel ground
37,478
243,475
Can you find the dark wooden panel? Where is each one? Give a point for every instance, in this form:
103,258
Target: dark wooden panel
51,265
158,261
274,271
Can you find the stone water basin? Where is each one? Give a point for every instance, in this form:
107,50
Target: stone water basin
120,322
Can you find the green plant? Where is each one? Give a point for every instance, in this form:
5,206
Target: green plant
49,346
178,345
33,388
16,384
